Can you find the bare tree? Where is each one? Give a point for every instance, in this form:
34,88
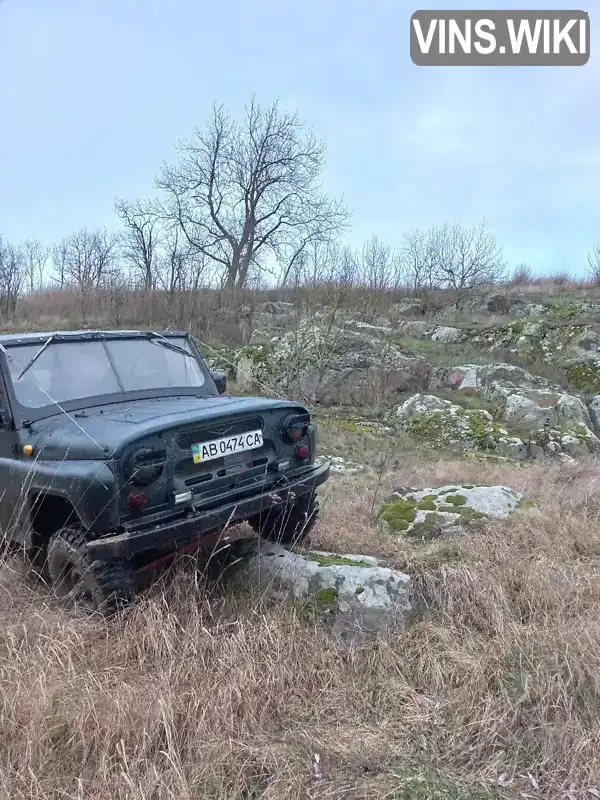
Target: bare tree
36,257
452,257
468,257
418,261
172,265
59,263
379,266
88,257
141,240
242,191
12,274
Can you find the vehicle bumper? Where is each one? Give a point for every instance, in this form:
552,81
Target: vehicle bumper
180,531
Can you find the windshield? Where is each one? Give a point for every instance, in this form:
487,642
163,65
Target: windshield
72,370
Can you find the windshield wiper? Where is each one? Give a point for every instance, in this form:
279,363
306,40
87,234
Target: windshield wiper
32,361
160,339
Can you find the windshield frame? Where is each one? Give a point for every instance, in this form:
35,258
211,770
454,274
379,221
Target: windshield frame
23,415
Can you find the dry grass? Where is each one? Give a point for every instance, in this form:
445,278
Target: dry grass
208,693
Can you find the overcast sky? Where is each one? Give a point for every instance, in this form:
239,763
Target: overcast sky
95,93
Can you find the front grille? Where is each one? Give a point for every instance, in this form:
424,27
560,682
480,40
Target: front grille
188,438
220,467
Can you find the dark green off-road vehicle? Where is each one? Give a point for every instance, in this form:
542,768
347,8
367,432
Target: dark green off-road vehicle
119,449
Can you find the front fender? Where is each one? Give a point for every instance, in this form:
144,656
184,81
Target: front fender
89,486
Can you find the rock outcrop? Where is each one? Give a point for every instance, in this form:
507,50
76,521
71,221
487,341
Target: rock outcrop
332,366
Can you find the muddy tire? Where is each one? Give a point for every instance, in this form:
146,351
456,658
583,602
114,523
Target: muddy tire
292,524
104,587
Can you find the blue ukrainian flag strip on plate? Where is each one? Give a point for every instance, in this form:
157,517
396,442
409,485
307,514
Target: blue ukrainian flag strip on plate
227,445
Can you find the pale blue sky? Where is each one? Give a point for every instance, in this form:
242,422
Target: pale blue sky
95,93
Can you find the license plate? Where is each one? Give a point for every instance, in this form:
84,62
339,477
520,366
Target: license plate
228,445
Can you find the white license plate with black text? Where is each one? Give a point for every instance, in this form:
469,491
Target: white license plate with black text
226,446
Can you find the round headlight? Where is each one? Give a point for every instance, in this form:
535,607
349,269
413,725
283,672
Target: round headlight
295,427
144,466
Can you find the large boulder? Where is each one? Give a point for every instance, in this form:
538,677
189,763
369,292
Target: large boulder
427,513
490,380
408,308
414,328
332,366
538,409
445,424
447,335
357,594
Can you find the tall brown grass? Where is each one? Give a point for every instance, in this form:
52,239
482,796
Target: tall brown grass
215,692
222,316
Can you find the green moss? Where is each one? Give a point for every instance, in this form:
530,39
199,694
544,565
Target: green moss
479,427
426,505
429,426
428,497
326,598
429,527
359,590
449,509
398,514
335,561
468,486
456,499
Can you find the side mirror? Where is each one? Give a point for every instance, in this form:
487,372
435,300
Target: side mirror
220,379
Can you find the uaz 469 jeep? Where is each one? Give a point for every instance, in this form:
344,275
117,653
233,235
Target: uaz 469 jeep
120,448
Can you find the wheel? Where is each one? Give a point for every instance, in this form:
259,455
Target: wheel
291,524
92,586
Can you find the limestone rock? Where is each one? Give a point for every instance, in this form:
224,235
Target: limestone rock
539,409
447,335
427,513
332,366
355,593
409,308
414,328
442,423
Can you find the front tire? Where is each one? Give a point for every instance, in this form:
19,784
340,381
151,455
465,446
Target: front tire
104,587
291,524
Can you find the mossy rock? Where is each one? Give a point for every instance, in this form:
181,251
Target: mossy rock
335,561
399,514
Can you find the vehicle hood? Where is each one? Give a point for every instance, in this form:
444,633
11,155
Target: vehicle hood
99,433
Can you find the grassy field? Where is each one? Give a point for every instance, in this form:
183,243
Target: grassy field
209,691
